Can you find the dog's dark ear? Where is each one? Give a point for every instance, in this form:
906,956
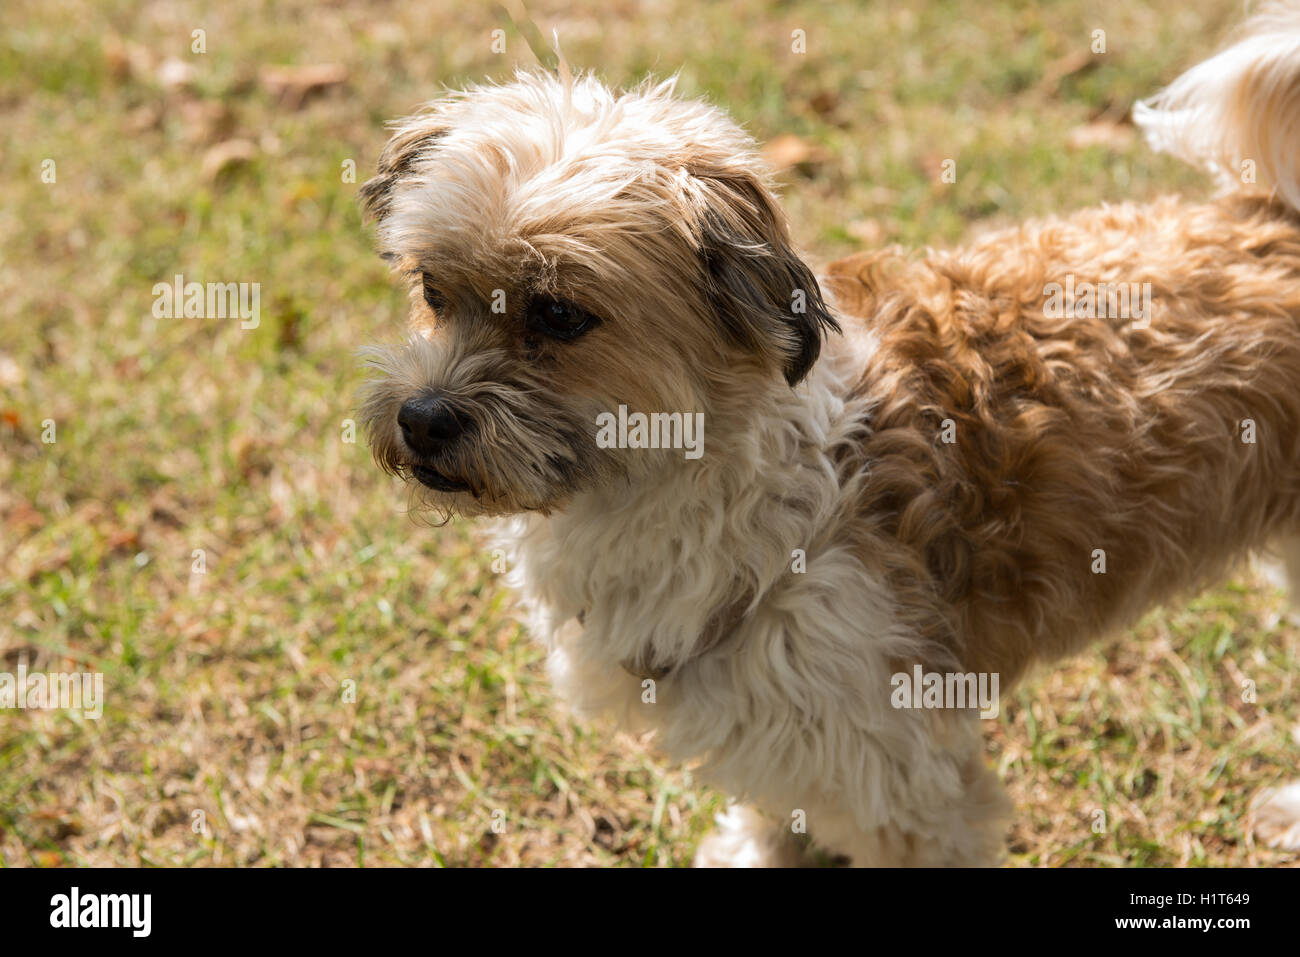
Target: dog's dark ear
410,141
764,295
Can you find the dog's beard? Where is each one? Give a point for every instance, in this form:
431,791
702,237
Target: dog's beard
524,448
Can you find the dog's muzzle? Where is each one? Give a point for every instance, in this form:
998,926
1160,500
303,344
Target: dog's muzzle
430,424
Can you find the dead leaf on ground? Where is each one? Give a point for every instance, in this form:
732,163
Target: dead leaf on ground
122,540
206,121
788,151
226,155
292,85
125,58
1062,67
23,519
824,102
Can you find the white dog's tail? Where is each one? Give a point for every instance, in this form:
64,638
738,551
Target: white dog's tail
1238,113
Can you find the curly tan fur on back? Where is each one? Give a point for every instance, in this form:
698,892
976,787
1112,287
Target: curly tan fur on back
1074,434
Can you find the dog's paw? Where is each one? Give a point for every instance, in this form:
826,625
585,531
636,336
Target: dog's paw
745,838
1277,817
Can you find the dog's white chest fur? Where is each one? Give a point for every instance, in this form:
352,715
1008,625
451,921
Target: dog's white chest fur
789,706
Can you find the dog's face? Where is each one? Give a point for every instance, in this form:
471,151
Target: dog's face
570,251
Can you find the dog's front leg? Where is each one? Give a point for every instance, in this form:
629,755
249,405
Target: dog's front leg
960,824
877,785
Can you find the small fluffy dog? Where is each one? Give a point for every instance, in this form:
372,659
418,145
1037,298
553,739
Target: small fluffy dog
965,463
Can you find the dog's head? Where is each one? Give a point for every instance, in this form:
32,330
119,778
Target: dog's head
570,250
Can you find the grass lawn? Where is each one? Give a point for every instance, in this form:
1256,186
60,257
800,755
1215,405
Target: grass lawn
299,673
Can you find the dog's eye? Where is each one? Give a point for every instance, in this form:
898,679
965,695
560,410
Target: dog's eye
558,318
436,300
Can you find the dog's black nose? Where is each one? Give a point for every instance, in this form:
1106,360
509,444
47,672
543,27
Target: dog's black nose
428,423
